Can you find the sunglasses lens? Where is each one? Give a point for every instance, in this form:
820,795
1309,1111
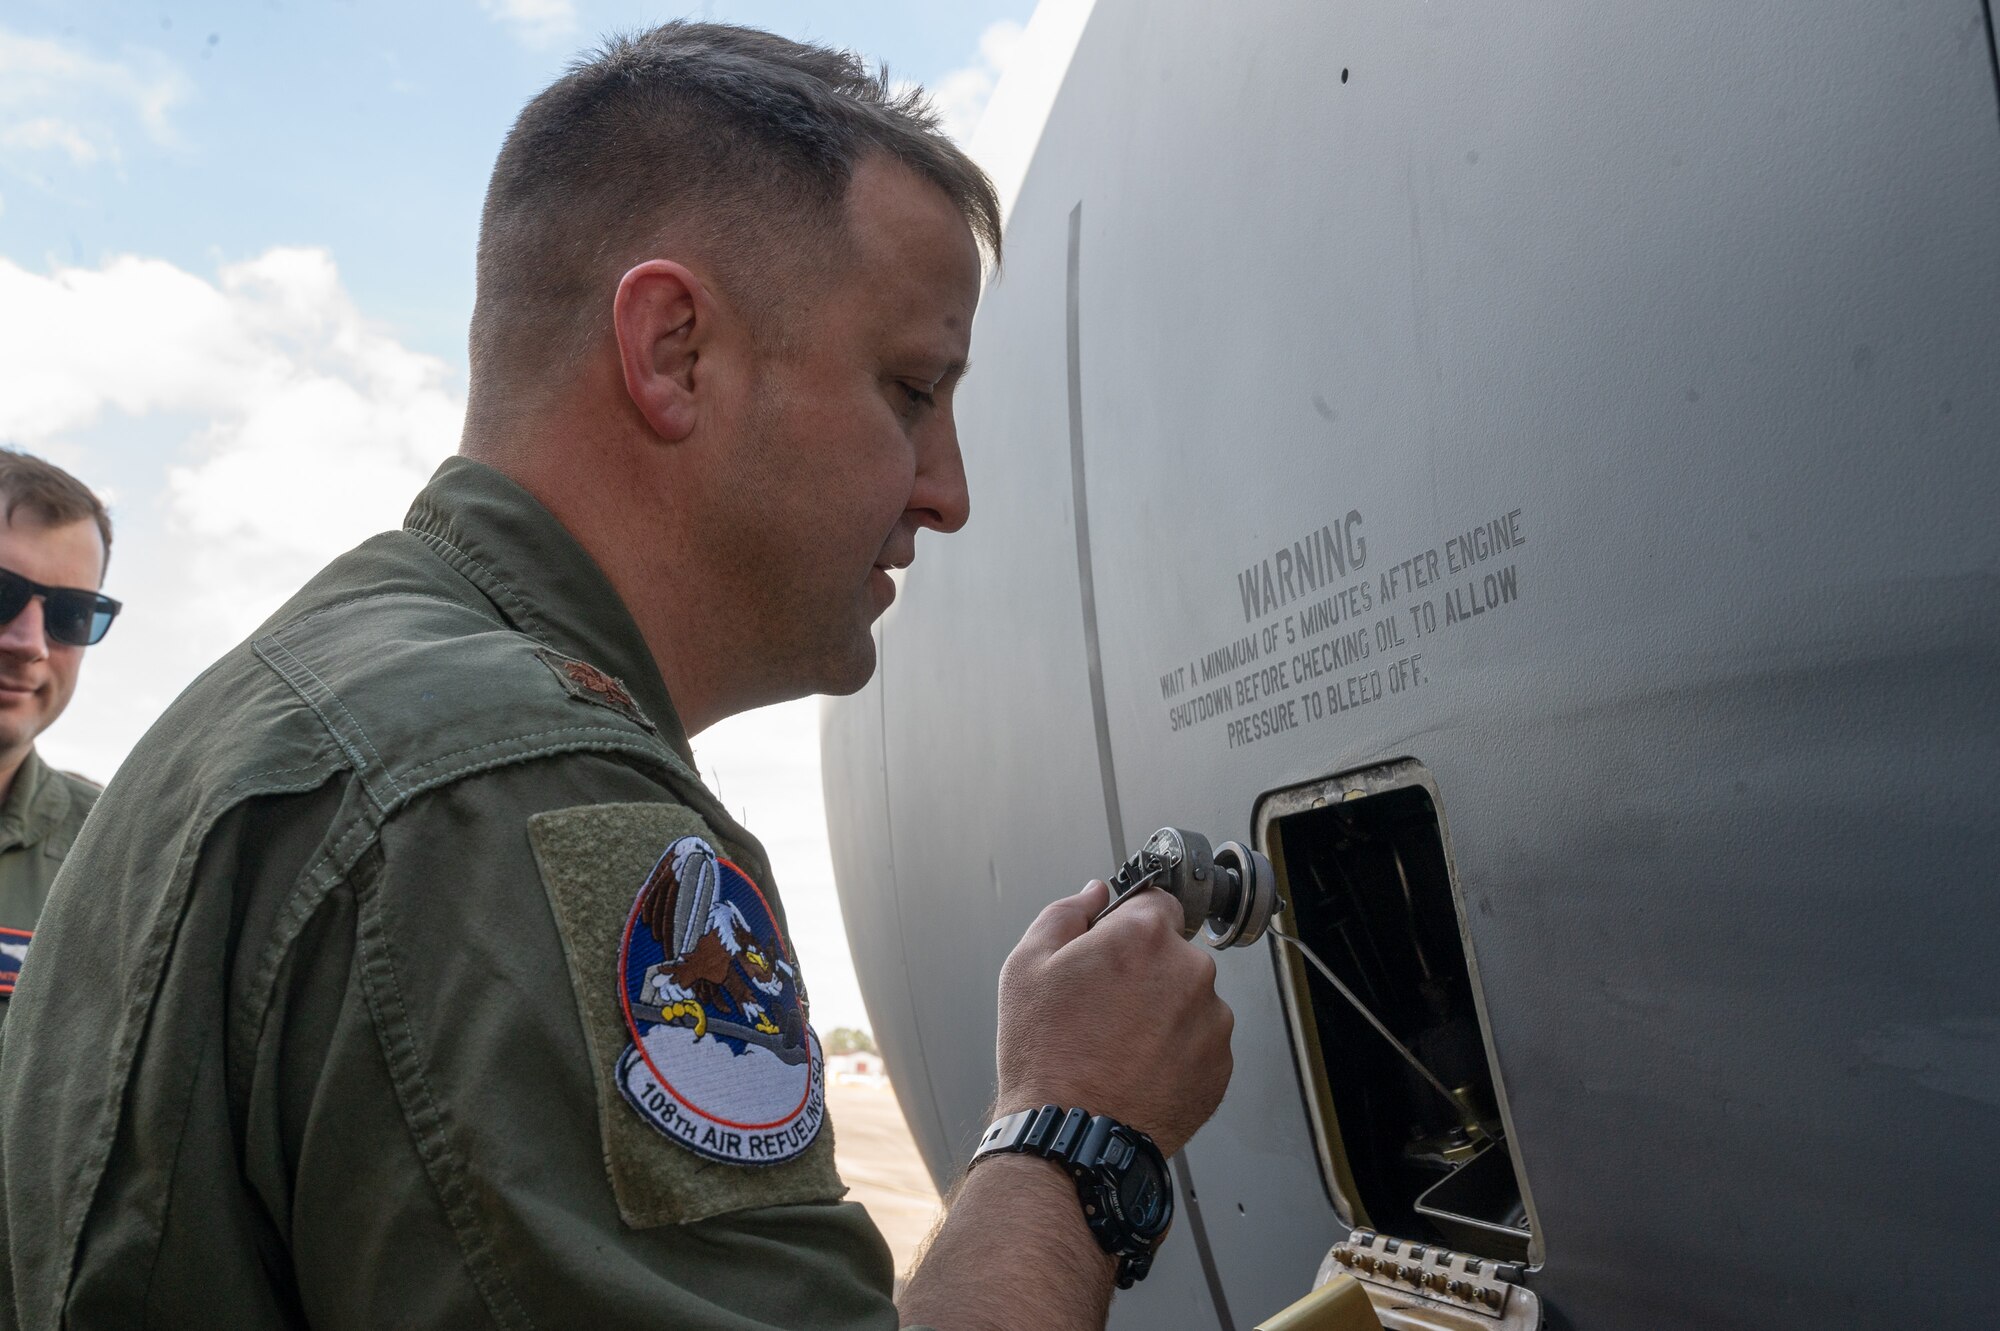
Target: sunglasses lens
78,618
14,593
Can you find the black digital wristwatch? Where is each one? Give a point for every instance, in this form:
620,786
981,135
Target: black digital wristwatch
1121,1177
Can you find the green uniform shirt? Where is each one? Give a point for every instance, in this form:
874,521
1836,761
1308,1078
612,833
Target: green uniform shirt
38,824
324,1022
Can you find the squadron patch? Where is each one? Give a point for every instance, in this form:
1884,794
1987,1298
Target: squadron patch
13,951
721,1057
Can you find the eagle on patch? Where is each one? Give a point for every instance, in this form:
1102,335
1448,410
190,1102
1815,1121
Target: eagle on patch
718,976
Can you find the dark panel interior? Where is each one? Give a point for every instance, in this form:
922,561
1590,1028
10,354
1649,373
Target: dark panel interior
1371,894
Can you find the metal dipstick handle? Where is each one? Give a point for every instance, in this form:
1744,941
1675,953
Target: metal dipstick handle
1227,894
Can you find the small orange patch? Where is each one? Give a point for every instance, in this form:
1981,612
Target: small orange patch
589,677
586,683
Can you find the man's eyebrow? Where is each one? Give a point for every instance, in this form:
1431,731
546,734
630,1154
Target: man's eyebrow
957,370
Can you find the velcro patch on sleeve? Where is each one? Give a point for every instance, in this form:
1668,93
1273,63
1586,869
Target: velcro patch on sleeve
710,1082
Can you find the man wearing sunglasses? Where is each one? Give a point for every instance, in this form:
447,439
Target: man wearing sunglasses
54,540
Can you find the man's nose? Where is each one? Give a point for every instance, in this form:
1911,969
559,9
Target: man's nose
941,500
26,635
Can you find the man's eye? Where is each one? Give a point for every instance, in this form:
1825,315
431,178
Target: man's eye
917,397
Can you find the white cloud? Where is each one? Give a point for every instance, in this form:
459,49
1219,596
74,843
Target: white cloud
534,22
57,97
256,426
305,417
331,428
961,96
48,132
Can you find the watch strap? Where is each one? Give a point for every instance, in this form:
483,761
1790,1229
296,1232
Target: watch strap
1049,1131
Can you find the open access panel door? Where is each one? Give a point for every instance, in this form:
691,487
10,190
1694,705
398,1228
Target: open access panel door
1365,870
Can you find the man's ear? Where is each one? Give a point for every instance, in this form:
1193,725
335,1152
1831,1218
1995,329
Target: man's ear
664,317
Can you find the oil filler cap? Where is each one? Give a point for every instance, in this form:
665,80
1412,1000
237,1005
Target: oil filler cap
1245,895
1227,894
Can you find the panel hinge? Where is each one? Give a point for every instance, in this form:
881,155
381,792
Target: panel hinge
1434,1287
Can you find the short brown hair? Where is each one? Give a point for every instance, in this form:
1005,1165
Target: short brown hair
51,495
739,139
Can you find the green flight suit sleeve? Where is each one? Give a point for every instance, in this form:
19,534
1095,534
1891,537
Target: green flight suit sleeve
457,1160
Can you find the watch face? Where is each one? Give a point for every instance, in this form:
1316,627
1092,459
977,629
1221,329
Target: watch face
1143,1194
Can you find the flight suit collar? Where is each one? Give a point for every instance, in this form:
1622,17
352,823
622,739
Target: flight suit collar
35,804
541,580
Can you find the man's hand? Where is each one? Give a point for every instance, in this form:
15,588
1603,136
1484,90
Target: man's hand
1120,1019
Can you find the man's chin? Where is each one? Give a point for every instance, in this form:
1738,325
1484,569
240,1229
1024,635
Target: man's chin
852,673
19,722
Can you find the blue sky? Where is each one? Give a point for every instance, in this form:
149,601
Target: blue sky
236,261
359,125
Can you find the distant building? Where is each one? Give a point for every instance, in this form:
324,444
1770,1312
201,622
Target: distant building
863,1068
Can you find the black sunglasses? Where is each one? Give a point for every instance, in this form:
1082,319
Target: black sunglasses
70,615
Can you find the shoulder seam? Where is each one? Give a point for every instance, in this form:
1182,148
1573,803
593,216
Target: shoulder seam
305,683
580,739
225,803
346,601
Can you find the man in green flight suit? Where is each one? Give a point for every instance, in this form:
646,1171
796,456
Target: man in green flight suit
55,538
407,975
